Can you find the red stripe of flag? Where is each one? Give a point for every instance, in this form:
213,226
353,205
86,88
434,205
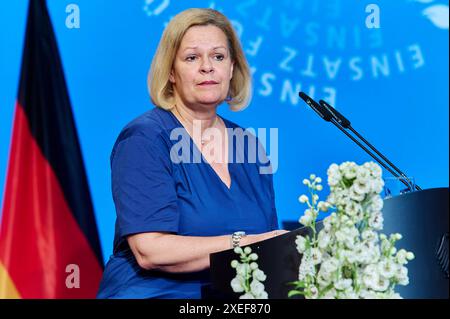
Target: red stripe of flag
40,237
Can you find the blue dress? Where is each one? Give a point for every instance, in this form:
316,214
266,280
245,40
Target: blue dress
153,193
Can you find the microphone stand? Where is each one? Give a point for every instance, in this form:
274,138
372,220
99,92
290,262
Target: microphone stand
401,178
339,118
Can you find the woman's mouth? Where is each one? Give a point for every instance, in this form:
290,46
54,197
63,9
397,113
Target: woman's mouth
208,83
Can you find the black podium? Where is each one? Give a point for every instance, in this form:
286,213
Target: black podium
421,217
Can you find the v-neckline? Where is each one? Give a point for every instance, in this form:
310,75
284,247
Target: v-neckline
201,154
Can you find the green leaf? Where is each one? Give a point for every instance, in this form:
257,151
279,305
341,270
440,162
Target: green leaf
293,283
298,284
295,293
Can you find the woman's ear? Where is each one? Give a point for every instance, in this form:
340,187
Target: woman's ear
171,77
231,70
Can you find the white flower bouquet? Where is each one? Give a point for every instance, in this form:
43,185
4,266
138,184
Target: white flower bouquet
249,277
348,258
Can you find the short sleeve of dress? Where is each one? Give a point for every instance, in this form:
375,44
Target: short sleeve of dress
143,187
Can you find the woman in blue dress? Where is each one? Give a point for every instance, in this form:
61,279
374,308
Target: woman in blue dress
184,180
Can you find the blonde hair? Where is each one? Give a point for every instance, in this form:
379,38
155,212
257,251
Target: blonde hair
161,89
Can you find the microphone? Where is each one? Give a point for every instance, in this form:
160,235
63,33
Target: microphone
322,111
346,123
341,119
333,116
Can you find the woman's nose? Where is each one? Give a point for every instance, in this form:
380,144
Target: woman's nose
206,66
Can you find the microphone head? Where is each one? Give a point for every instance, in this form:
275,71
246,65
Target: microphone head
341,119
319,109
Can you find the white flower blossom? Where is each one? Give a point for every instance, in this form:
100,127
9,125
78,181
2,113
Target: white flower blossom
370,276
347,235
376,204
253,256
361,186
352,256
333,169
343,284
315,198
256,287
348,169
306,267
353,209
401,257
376,221
259,275
330,265
334,175
362,173
376,186
355,194
387,268
324,239
303,199
323,206
316,256
402,276
374,169
301,244
237,284
332,199
369,235
253,267
327,223
323,278
381,284
307,218
371,253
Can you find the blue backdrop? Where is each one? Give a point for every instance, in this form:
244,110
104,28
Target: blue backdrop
391,81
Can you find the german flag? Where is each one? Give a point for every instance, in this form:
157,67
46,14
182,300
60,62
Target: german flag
49,245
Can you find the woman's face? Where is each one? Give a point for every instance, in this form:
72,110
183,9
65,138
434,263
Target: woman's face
203,68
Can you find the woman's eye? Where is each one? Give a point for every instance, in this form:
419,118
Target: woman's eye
219,57
190,58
